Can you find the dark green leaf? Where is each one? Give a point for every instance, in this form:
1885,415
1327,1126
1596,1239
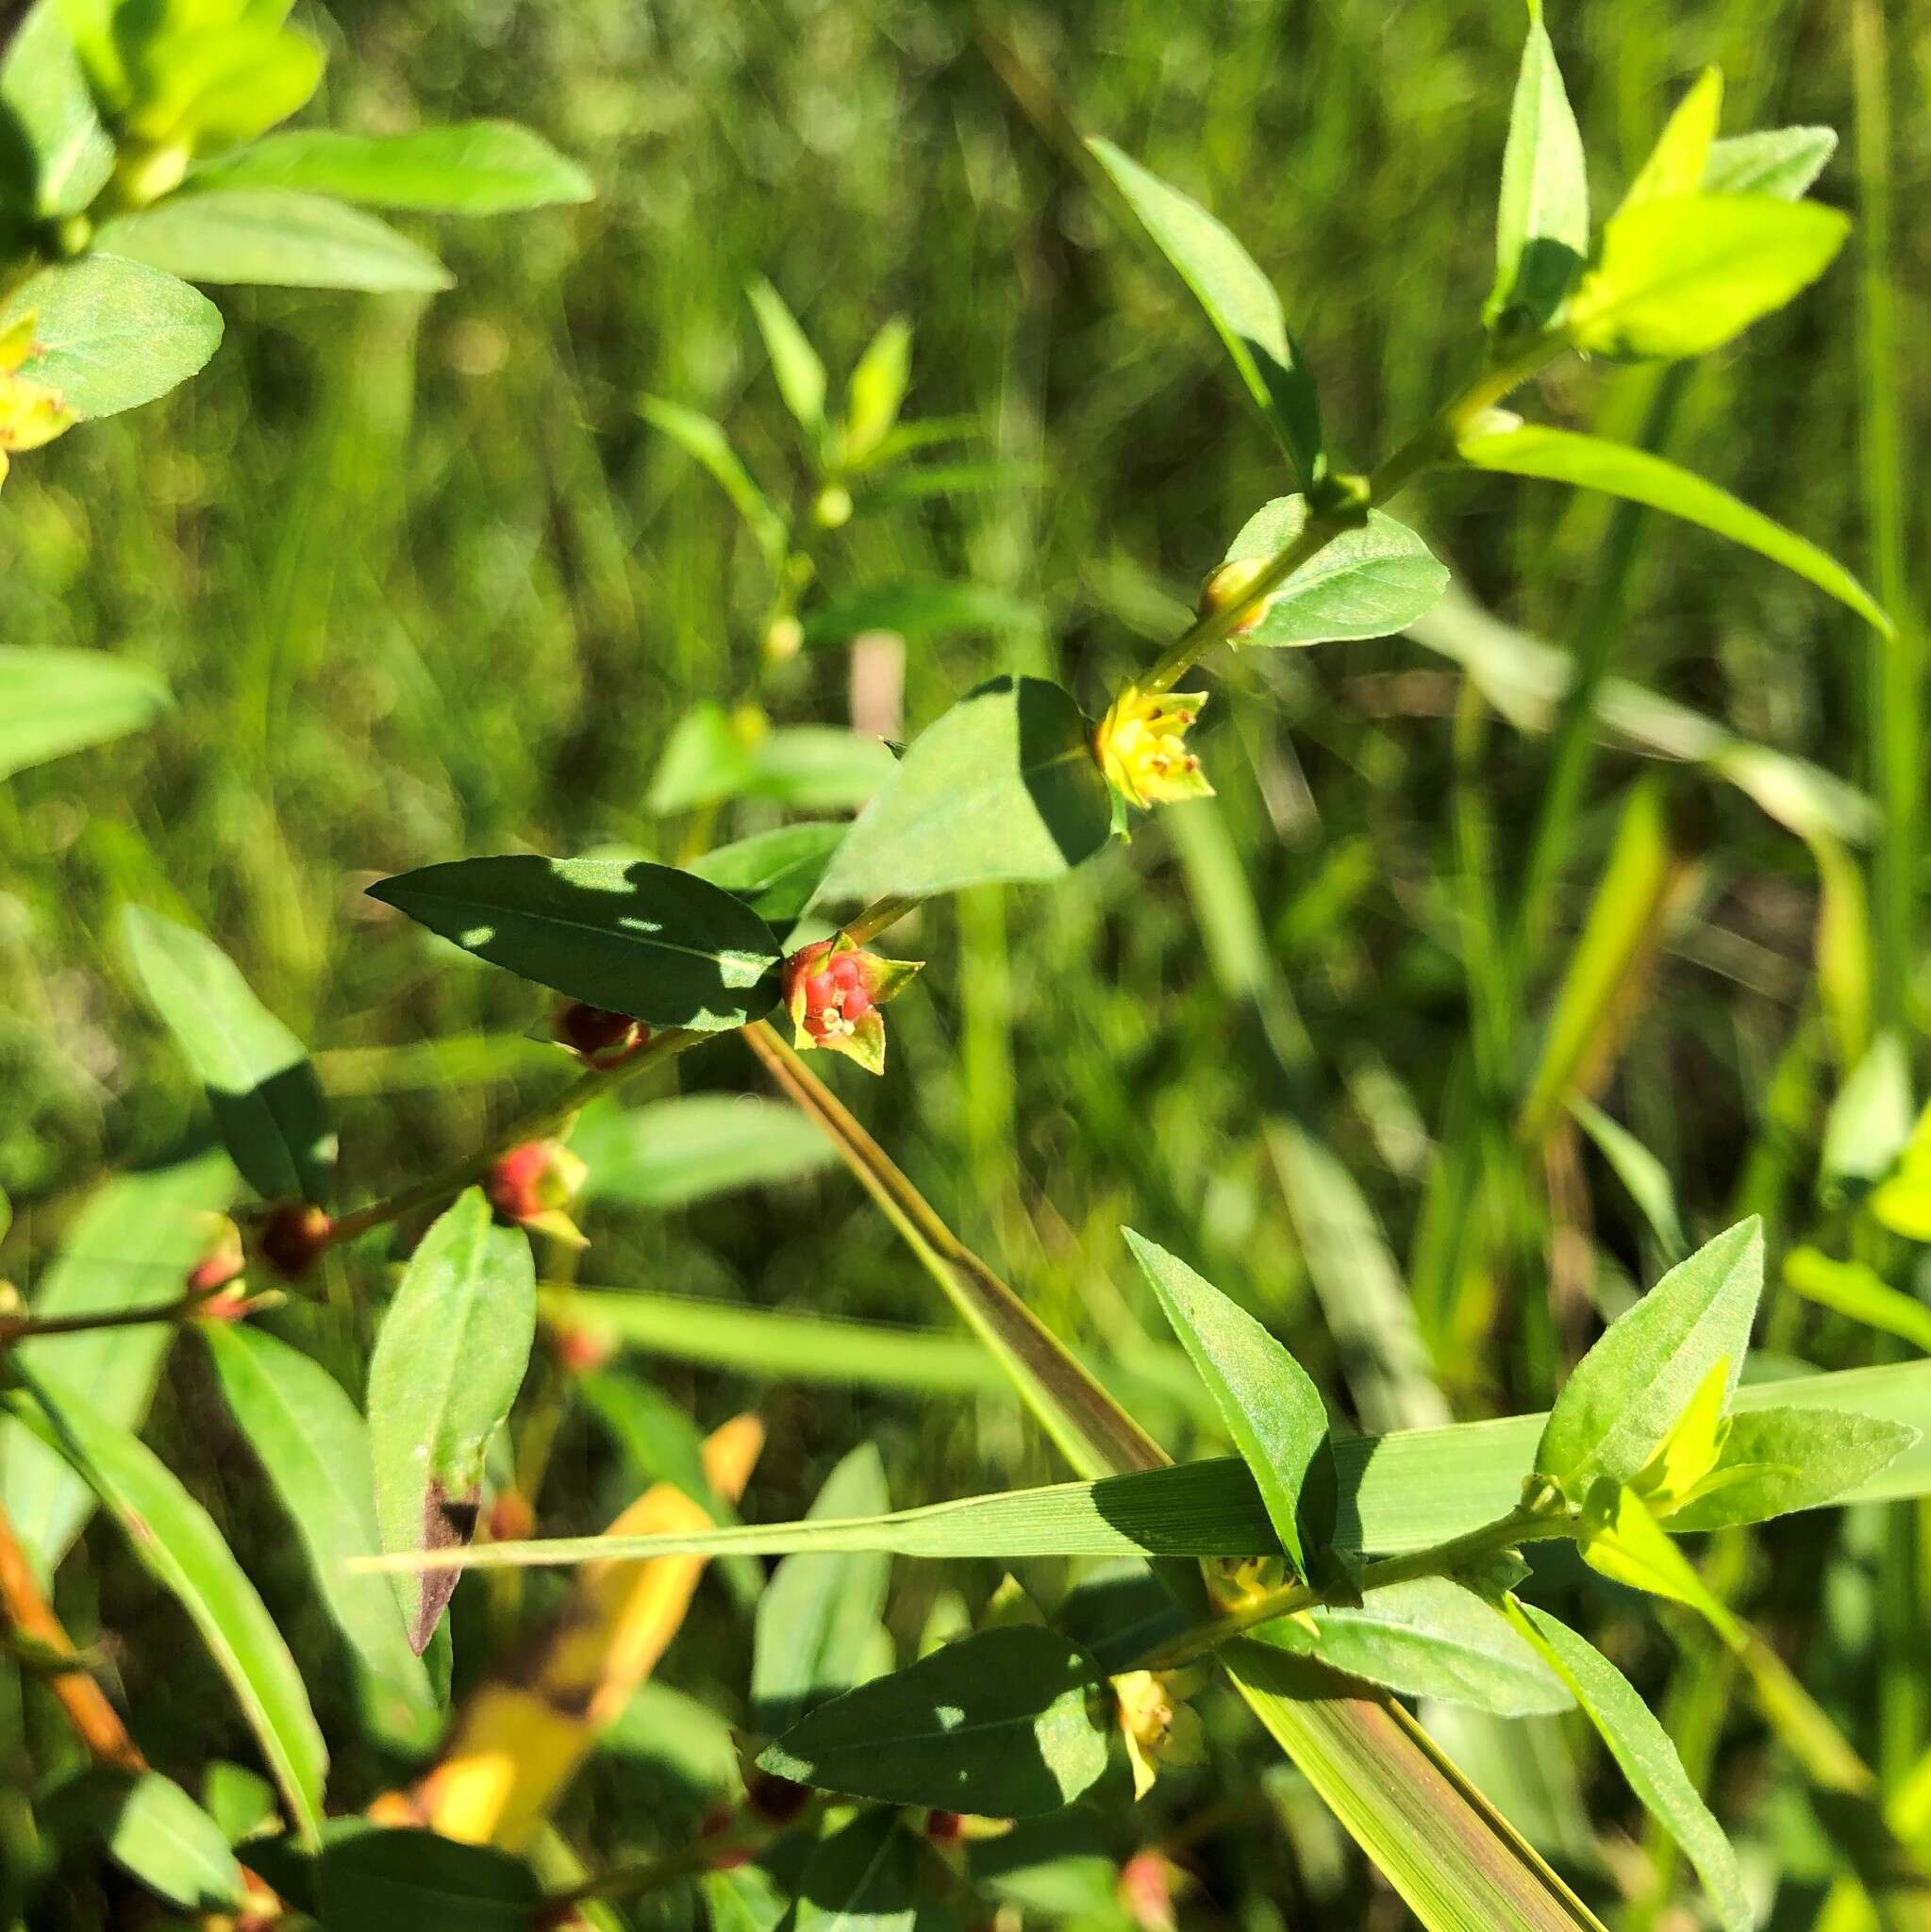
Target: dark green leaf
816,1619
130,1246
1561,455
152,1828
1627,1391
449,1357
415,1881
670,1153
313,1446
635,938
174,1539
775,873
1003,787
1780,1460
110,334
918,608
1783,162
1542,215
999,1725
55,702
65,153
473,168
1273,1411
1366,583
876,1875
1648,1759
1430,1638
274,236
1240,302
1683,274
267,1102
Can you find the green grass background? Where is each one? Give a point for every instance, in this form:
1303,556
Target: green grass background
424,586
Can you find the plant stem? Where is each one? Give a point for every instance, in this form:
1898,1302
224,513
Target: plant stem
1434,443
1440,1559
528,1125
29,1328
96,1721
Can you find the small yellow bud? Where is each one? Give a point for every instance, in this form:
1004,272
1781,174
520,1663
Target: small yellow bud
833,507
1231,584
1141,746
783,639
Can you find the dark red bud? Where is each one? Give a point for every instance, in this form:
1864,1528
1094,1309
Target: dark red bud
597,1031
511,1519
945,1828
292,1238
777,1800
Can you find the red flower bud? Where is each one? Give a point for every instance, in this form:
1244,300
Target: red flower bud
533,1184
294,1238
511,1519
583,1351
833,990
222,1260
945,1828
777,1800
600,1036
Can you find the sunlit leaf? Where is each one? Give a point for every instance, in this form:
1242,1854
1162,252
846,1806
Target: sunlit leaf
449,1357
1542,214
1783,162
155,1831
55,702
1240,302
670,1153
66,153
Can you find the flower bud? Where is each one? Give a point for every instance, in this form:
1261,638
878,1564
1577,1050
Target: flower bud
532,1185
597,1034
1147,1883
776,1800
833,990
1160,1725
31,413
583,1351
292,1238
222,1259
1141,746
783,639
1230,584
511,1519
833,509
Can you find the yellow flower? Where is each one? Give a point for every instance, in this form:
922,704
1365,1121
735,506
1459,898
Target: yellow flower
1160,1725
30,413
1142,745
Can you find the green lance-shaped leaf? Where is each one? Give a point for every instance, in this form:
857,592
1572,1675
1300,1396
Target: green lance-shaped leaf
919,608
775,873
313,1446
1648,1759
66,155
1562,456
671,1153
1427,1638
1273,1411
1004,787
1542,215
174,1539
712,758
156,1832
636,938
267,1104
998,1723
1240,302
129,1247
1857,1290
1366,583
274,236
1679,161
1777,1461
411,1881
704,440
1682,275
449,1357
818,1613
1407,1490
876,390
473,168
793,362
109,334
1782,161
875,1874
1627,1391
1869,1125
1643,1176
55,702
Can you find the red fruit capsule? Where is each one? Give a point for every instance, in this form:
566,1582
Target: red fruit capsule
293,1236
